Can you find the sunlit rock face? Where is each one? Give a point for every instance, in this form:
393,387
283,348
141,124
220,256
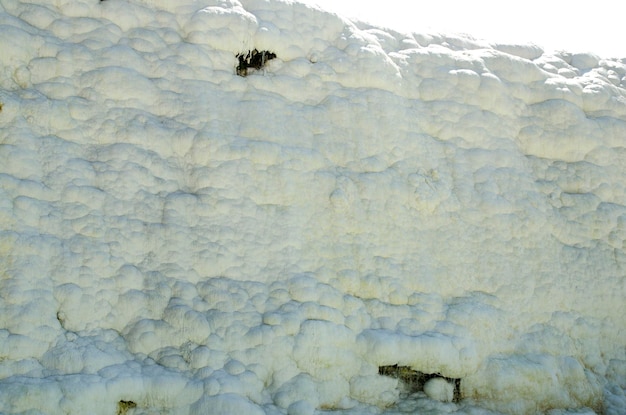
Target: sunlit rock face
177,238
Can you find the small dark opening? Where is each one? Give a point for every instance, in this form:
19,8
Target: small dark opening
124,406
414,380
253,59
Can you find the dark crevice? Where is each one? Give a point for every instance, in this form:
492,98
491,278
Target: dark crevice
253,59
414,380
124,406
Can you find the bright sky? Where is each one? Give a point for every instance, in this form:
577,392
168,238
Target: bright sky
576,26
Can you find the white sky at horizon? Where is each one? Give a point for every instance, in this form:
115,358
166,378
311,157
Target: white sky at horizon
583,26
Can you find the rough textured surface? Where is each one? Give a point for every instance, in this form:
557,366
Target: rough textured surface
183,238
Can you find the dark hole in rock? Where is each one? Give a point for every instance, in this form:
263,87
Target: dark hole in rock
414,380
253,59
124,406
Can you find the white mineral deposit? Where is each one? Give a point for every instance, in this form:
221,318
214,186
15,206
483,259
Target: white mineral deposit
178,238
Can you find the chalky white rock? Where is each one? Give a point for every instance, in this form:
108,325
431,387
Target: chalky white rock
183,239
439,389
